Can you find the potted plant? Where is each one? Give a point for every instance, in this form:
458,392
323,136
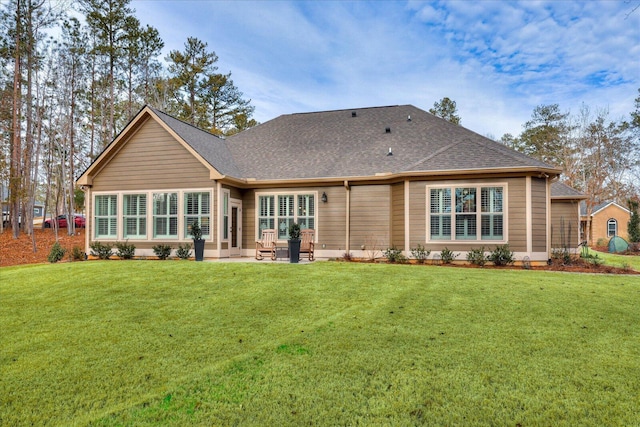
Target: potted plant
198,242
294,242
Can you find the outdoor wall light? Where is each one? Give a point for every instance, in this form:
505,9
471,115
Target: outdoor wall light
324,197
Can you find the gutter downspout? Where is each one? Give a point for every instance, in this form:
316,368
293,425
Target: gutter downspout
407,231
219,219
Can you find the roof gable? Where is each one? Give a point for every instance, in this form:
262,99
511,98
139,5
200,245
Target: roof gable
207,148
601,208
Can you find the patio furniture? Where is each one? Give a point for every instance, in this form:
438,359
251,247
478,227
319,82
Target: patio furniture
307,245
266,244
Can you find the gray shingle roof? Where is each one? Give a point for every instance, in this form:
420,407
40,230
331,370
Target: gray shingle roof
562,190
338,144
213,149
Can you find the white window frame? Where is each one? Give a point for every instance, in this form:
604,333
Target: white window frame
451,212
137,216
150,230
276,207
109,217
614,222
205,225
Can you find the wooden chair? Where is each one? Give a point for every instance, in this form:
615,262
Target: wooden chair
307,245
267,244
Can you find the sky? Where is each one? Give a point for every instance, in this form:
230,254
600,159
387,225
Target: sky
498,60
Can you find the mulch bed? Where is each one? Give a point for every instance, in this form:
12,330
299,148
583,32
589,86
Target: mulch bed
20,251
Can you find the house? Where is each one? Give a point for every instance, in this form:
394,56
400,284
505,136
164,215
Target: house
364,179
607,219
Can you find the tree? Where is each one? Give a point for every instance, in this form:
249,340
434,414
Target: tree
107,19
189,70
634,222
546,135
446,108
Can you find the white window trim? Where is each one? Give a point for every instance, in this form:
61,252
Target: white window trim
295,194
615,222
120,214
478,186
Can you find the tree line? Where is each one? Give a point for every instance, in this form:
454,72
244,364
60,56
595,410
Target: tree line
72,73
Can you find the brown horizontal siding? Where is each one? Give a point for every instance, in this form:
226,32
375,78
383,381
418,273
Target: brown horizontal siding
417,213
370,216
152,159
539,214
397,215
564,224
517,214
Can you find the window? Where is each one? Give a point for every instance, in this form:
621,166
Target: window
492,215
165,215
440,201
612,228
285,216
306,211
135,216
466,213
106,216
225,216
266,213
197,208
291,208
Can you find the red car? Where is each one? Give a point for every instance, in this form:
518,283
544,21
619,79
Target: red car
62,221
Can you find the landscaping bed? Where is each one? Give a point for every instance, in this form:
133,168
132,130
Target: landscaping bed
20,251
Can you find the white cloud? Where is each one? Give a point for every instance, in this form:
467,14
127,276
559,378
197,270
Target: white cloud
497,59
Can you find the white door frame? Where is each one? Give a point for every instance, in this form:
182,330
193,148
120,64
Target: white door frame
235,221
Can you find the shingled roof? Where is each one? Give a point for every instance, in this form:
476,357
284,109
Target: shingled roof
357,142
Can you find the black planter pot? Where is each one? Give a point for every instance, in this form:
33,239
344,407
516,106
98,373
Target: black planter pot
294,251
198,246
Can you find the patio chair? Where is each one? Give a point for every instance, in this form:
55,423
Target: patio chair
267,244
306,245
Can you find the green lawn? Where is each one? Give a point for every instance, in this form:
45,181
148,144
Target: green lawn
616,260
184,343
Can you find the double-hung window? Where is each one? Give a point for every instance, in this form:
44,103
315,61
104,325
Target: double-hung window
306,211
612,227
266,213
135,216
165,215
106,216
282,210
469,212
197,207
492,218
440,213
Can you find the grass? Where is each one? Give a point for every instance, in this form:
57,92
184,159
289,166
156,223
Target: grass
182,343
624,261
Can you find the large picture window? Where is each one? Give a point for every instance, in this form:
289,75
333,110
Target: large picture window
106,217
135,216
290,208
197,207
466,213
165,215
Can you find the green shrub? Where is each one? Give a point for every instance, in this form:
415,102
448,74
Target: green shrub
420,254
477,257
447,256
125,250
56,253
562,255
101,250
184,252
394,255
77,254
601,242
162,251
502,255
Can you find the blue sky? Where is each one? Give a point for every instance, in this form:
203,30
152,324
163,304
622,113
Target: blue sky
498,60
